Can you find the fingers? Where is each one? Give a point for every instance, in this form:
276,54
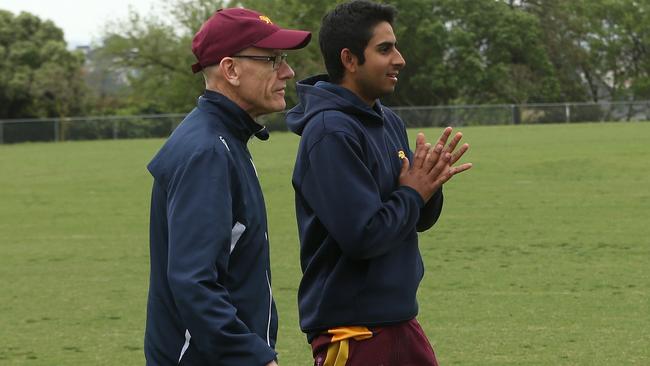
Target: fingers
454,142
420,155
458,154
442,156
433,166
419,140
432,158
425,157
445,136
405,167
461,168
441,164
451,172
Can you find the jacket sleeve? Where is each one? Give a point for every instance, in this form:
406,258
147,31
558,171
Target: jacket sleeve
340,189
200,225
431,211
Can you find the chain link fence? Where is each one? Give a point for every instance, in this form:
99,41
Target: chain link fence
88,128
161,125
498,114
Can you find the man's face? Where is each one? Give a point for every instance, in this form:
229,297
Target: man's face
262,87
377,77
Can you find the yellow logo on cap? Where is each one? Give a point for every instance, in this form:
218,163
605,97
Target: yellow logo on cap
265,19
401,154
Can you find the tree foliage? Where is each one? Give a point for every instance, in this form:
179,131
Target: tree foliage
471,51
599,48
619,44
39,77
457,52
155,56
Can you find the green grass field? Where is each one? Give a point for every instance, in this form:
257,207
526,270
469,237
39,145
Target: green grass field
541,256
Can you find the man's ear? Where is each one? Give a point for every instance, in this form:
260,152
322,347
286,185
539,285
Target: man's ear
230,71
349,60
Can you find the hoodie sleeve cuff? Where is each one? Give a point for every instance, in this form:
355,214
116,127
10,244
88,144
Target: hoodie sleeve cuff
413,193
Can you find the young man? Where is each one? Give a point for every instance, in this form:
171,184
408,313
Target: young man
361,197
210,300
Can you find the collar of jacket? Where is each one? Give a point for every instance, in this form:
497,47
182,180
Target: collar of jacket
240,123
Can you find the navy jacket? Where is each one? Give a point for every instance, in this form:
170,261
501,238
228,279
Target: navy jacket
210,300
358,228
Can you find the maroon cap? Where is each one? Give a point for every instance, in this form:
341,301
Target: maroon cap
231,30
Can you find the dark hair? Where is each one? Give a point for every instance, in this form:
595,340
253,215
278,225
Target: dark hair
350,25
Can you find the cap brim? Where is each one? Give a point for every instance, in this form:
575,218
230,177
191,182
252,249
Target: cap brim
285,39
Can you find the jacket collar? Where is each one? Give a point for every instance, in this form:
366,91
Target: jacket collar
238,122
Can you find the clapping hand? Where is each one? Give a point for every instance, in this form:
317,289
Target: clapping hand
433,166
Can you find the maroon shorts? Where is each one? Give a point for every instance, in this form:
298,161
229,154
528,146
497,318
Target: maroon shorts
402,344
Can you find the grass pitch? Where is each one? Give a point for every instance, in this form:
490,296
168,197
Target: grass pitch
541,256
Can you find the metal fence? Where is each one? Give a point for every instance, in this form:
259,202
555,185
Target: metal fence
497,114
88,128
161,125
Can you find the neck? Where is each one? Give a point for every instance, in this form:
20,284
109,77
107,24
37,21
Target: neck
354,87
229,93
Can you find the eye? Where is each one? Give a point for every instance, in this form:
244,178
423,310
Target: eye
384,49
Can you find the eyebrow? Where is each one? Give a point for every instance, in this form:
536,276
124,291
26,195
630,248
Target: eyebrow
386,43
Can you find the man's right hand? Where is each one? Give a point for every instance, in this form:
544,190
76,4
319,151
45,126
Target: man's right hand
433,166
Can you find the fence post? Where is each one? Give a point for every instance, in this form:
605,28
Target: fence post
56,130
174,123
115,129
516,114
2,132
567,113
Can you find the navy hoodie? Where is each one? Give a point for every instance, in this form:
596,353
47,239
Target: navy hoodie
358,228
210,300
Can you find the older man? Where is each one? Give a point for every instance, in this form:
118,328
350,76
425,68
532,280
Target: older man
210,299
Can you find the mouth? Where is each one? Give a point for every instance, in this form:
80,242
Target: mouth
280,91
392,75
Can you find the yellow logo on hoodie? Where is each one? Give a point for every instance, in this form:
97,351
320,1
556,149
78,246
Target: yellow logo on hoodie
401,154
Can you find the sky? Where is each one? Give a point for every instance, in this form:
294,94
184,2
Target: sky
82,21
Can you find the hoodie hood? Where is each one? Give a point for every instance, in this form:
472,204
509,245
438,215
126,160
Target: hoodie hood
318,94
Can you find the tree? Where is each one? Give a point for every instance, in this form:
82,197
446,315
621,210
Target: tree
598,47
565,28
619,46
457,51
39,77
155,56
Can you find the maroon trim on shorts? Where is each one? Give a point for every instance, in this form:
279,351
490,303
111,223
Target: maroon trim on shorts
402,344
